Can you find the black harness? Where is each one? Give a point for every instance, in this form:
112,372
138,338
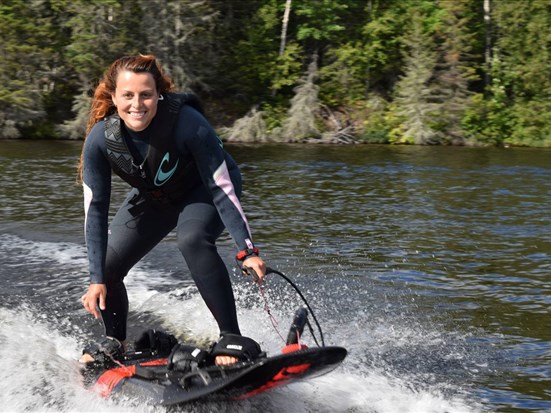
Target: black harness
164,176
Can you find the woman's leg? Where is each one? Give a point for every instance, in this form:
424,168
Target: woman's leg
130,239
199,225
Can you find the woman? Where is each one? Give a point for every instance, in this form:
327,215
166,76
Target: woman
182,179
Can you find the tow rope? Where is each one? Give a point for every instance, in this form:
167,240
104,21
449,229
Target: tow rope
251,272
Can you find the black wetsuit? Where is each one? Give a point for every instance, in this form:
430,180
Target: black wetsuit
199,217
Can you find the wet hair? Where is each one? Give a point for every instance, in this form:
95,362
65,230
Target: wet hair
102,103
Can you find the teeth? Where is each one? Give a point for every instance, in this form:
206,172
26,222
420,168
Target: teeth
137,114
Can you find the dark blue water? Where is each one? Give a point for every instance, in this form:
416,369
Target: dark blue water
431,265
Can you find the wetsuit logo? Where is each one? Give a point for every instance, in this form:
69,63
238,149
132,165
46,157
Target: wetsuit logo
162,176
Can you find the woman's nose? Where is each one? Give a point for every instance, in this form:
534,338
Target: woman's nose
136,101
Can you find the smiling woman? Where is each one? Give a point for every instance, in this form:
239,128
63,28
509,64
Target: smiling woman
160,143
136,99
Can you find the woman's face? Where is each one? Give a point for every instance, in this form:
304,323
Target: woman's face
136,99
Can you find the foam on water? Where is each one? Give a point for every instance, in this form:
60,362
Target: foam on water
390,367
39,368
40,374
23,252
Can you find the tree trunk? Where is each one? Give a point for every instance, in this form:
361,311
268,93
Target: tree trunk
488,45
367,66
284,27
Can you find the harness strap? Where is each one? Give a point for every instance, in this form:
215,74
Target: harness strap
117,150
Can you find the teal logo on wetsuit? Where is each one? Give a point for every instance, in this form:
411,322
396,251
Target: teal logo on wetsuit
162,176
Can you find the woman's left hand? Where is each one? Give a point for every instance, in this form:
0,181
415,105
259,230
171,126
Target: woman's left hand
94,297
257,265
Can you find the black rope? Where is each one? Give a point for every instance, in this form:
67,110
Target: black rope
292,284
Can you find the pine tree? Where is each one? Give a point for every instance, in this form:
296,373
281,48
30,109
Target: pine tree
414,95
28,71
100,33
180,34
300,124
75,128
450,92
250,128
523,48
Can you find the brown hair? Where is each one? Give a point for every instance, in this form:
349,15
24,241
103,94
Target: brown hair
102,104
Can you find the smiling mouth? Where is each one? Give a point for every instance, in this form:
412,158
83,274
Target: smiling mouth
136,115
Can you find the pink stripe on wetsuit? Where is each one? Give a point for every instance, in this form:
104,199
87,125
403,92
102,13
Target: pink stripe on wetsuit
222,179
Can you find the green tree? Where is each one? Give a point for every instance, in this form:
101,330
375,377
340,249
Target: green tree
454,70
100,32
487,121
31,67
319,22
383,45
361,70
380,77
344,76
413,106
250,128
523,47
260,69
301,122
181,33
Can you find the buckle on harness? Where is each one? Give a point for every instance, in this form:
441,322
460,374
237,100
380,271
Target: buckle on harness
157,195
142,198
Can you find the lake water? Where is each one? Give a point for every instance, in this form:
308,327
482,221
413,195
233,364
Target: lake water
431,265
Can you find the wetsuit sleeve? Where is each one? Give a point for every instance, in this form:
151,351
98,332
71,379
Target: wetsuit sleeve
199,139
97,192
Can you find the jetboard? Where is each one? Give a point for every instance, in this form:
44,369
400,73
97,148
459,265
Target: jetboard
149,378
146,381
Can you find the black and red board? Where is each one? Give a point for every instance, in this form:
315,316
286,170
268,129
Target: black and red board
236,382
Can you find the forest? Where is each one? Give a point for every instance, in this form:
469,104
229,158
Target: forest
446,72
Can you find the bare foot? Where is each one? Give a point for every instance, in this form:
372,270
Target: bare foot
86,358
225,360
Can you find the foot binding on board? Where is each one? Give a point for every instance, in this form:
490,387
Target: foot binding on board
240,347
156,343
104,353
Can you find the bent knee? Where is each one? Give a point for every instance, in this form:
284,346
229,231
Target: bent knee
115,270
194,237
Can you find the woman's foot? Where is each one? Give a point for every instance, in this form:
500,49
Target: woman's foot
232,348
86,359
109,349
225,360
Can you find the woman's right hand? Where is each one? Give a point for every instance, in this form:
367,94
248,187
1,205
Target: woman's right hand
256,264
90,299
